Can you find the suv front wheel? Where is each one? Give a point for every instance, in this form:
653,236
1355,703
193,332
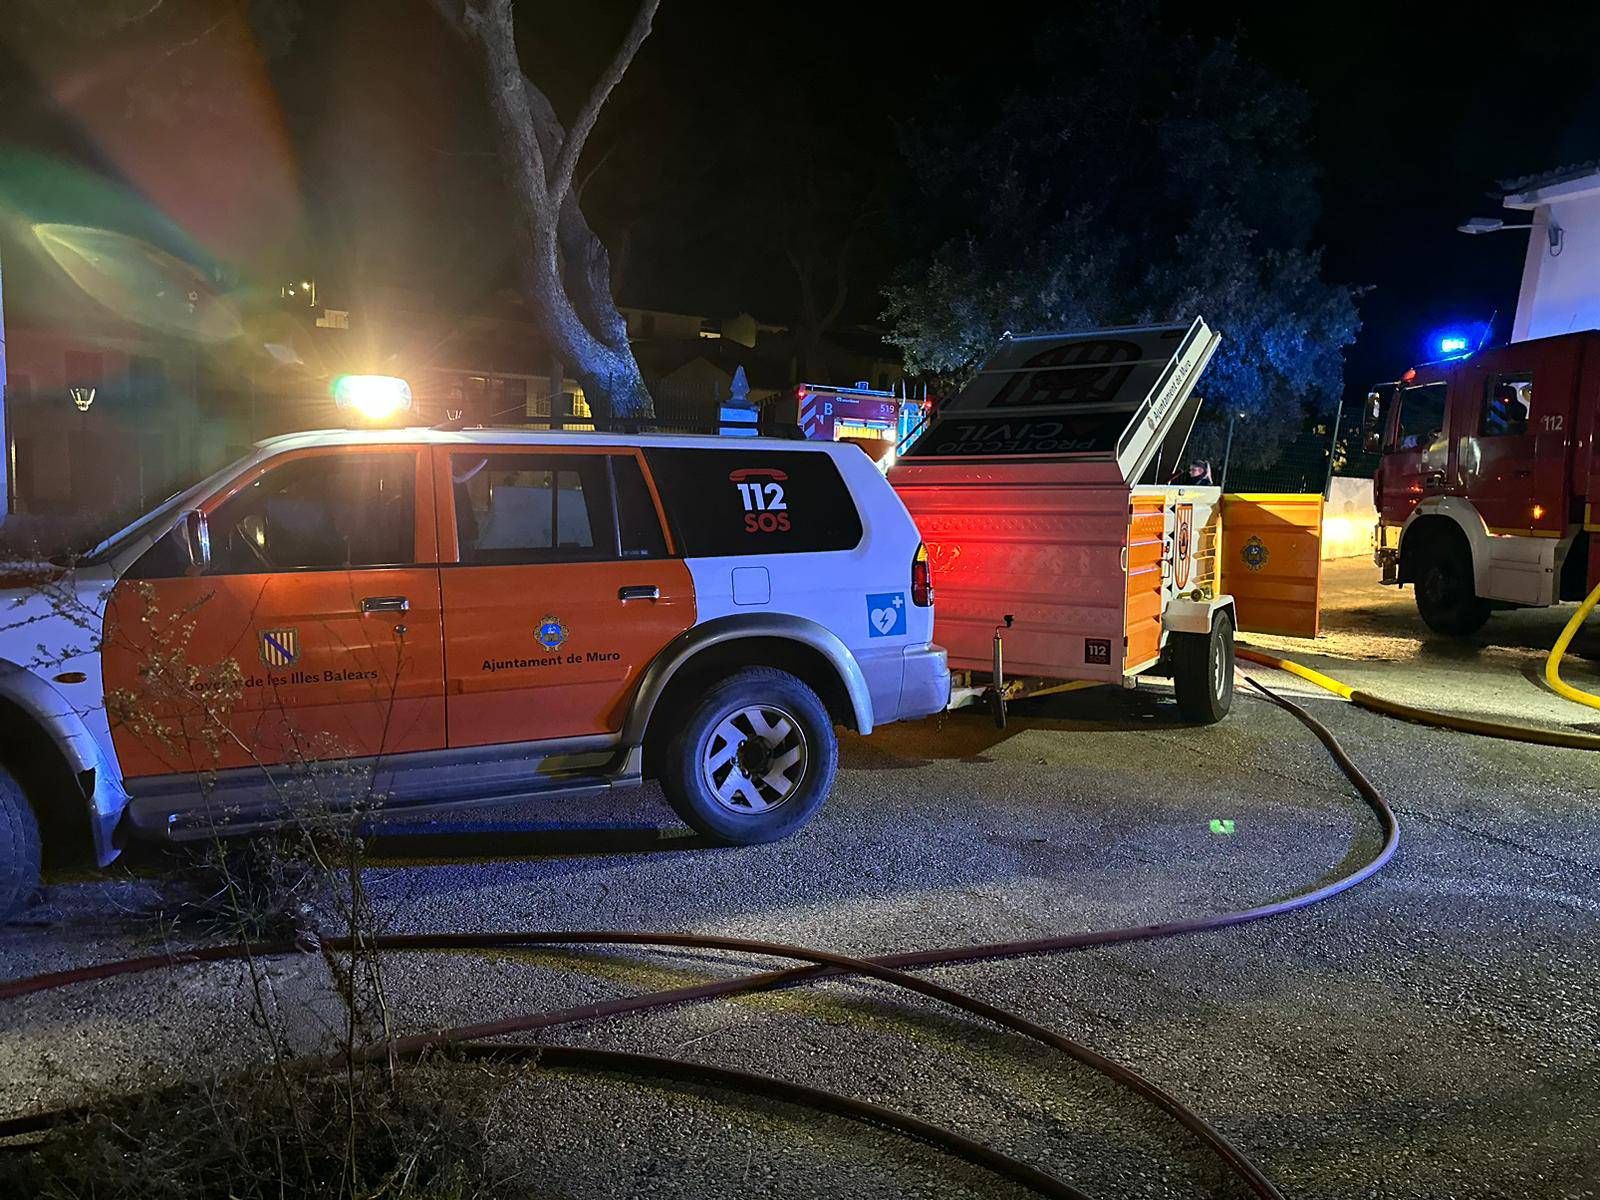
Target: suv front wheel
753,760
19,848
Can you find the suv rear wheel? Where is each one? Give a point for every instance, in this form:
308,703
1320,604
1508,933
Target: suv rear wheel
19,848
753,760
1445,599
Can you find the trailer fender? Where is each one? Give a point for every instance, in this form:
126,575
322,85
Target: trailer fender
1194,616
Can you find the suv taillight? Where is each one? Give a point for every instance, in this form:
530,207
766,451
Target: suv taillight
921,578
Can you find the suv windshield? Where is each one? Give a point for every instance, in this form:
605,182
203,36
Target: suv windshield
126,528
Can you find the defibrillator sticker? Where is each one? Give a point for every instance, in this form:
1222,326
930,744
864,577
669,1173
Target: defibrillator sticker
886,614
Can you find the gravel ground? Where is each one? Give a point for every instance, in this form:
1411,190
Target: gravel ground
1431,1034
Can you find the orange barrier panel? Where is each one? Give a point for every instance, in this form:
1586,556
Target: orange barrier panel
1272,561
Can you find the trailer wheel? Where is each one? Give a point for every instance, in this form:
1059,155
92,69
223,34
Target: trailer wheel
1202,671
1445,599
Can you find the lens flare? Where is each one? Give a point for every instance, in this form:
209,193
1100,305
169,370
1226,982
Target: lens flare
140,283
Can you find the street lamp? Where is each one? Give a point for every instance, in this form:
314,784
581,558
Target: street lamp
1476,225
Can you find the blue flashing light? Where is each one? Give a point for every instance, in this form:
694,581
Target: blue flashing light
1453,344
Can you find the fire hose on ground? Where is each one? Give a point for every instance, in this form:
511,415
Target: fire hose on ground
818,965
1442,720
1552,664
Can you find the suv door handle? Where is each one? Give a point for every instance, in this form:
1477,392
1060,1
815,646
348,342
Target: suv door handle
644,591
372,604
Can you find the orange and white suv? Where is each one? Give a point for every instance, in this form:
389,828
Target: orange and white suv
453,617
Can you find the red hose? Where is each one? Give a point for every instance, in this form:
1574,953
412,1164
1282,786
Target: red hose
823,964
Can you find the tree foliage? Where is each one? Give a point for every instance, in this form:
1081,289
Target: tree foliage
1126,177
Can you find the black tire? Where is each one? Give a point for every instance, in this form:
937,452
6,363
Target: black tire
19,848
1445,599
1202,671
720,801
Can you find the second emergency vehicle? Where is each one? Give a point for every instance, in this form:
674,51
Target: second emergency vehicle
1488,491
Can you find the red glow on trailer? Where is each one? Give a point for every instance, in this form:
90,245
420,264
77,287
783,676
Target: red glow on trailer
1411,373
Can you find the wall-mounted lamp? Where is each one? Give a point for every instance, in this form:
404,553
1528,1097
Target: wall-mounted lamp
1475,225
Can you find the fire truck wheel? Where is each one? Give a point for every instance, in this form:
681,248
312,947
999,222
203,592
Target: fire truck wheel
1202,671
19,847
754,759
1445,598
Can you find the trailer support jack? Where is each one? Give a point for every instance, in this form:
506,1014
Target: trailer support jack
997,689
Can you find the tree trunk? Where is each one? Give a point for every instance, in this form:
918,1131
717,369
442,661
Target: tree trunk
563,267
614,387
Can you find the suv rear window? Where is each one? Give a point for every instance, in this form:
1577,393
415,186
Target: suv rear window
724,502
532,508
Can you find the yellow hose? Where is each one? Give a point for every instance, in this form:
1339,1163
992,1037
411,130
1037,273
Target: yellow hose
1552,665
1425,716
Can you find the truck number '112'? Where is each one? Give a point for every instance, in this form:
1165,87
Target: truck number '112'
762,497
1553,423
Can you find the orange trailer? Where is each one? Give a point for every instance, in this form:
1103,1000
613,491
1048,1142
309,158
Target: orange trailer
1060,552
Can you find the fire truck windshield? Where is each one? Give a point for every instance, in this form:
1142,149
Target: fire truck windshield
1421,416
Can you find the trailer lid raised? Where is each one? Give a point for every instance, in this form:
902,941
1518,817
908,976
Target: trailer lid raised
1120,395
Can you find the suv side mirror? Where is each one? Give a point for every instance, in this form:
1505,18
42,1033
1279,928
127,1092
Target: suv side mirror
197,538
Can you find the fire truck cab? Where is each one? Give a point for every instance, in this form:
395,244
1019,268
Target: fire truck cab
1488,490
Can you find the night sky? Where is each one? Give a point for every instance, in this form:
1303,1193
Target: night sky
729,108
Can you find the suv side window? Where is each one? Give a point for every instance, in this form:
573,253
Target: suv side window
638,525
532,508
318,513
1421,416
759,501
1507,400
323,512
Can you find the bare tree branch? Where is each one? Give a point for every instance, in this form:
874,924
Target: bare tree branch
583,123
565,269
841,286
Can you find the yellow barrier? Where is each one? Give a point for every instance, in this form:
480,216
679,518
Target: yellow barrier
1424,716
1552,665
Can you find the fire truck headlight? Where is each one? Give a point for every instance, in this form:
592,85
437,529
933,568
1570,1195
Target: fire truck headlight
373,397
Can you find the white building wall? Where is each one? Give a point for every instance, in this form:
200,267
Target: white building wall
1560,284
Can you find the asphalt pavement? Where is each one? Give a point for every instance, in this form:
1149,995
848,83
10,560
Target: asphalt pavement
1430,1034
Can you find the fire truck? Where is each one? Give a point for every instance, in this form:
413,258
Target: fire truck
876,420
1488,490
